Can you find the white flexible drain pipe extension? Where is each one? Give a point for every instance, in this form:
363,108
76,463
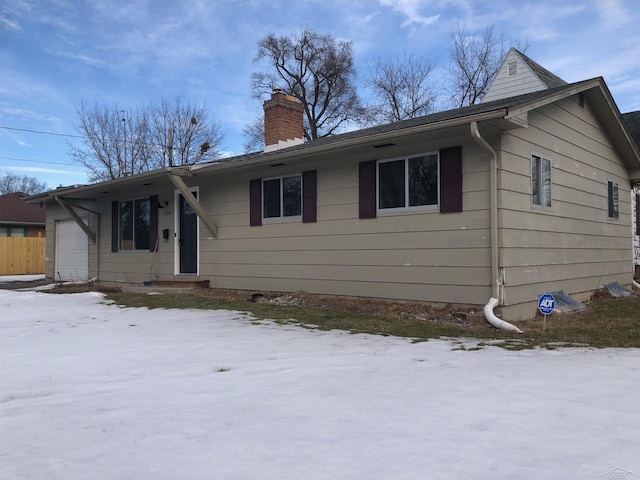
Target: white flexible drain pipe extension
636,284
493,177
495,321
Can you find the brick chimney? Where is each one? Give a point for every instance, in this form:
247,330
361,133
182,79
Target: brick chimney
283,121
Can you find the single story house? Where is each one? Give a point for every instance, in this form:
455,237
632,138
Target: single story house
19,218
507,199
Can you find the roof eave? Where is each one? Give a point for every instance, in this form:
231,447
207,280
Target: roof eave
615,126
66,191
312,150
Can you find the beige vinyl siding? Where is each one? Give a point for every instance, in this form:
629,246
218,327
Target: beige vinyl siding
417,255
135,267
504,86
573,246
423,255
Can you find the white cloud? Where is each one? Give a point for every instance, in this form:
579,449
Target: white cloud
411,11
7,24
613,14
81,57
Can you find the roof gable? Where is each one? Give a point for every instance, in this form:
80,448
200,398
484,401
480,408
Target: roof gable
519,74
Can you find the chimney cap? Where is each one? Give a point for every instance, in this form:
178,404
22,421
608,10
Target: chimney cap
276,89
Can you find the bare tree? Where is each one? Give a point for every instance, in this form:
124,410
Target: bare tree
114,141
254,135
120,142
181,134
475,61
316,69
12,183
400,89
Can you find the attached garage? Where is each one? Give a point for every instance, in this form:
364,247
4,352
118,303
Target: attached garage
72,253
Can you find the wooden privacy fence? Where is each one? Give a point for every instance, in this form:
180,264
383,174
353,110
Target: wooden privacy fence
22,256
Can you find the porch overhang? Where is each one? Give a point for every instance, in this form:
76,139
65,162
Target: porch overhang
70,210
193,202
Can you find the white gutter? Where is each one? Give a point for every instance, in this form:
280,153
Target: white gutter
495,266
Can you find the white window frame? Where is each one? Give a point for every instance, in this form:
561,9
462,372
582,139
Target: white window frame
512,68
406,207
134,200
542,203
282,217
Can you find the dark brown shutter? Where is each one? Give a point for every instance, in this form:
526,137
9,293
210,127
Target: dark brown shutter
637,213
367,189
115,217
451,180
255,202
309,197
153,223
610,200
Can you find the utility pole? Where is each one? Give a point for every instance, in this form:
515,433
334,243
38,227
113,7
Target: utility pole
124,143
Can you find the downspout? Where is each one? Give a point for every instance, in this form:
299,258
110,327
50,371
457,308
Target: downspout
495,266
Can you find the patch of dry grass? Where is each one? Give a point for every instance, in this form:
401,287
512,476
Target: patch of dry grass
607,322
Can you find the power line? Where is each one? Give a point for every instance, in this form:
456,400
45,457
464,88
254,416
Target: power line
42,132
37,161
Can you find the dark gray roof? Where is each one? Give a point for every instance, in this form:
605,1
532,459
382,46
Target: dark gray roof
434,118
632,119
480,108
549,79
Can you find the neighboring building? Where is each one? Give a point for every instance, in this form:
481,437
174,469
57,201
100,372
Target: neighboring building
20,219
632,119
507,199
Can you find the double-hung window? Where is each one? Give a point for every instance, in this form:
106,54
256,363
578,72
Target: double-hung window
540,181
408,182
282,197
612,198
289,197
135,223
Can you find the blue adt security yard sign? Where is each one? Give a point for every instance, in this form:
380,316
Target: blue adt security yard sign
546,303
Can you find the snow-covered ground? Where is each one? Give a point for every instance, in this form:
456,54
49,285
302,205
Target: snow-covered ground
20,278
94,391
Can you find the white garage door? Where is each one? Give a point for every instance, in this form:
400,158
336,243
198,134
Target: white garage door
72,253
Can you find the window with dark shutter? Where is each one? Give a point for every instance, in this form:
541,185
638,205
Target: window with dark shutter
309,197
367,189
451,180
283,197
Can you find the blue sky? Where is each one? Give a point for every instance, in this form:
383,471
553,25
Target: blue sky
55,53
